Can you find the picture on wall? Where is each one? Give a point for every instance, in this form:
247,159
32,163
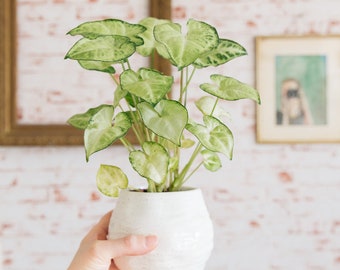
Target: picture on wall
299,82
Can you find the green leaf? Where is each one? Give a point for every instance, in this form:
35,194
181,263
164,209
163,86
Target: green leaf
173,164
98,66
214,135
187,143
110,180
223,53
101,133
150,44
109,27
185,49
211,160
119,94
147,84
207,104
167,119
151,163
104,48
230,89
82,120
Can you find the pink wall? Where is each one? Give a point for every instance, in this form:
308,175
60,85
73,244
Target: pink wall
274,207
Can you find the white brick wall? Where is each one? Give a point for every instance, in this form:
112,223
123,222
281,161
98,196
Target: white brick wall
274,207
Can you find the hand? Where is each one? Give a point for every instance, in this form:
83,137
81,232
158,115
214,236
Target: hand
96,252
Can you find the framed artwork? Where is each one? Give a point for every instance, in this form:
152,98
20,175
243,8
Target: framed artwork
25,116
298,78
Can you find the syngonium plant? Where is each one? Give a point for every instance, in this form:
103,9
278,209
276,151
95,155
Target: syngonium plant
145,102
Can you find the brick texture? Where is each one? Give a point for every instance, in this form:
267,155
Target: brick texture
274,207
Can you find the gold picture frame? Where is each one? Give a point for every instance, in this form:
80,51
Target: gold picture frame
298,78
13,133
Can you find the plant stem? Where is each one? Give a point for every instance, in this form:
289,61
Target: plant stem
178,182
186,86
215,105
128,63
177,153
135,125
151,186
114,79
193,171
181,88
187,82
127,144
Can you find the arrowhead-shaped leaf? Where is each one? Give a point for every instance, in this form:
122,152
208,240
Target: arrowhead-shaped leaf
101,133
150,43
223,53
119,94
167,119
185,49
208,104
173,164
147,84
214,135
211,160
151,163
229,89
110,180
98,66
103,48
187,143
82,120
109,27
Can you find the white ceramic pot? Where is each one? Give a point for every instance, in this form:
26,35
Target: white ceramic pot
179,219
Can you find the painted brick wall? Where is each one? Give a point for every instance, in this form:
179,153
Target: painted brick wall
274,207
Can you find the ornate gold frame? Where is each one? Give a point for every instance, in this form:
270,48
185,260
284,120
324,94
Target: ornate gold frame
12,133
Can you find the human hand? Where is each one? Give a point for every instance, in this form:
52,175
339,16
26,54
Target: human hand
96,252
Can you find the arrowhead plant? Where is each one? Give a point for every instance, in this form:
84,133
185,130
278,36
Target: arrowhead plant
145,104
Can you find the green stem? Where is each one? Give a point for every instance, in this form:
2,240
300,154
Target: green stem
161,187
188,80
193,171
215,105
181,88
186,86
128,63
127,144
135,126
151,186
178,182
142,128
114,79
177,153
137,133
147,133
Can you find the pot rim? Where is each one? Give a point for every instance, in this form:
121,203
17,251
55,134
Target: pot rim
141,190
165,193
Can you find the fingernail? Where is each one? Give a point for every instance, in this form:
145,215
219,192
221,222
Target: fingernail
151,241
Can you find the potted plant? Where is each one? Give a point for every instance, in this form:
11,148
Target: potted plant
155,109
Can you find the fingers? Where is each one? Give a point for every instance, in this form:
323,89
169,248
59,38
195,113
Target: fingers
105,220
131,245
96,252
102,226
100,254
100,230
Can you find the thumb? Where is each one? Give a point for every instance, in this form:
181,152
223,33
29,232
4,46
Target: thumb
131,245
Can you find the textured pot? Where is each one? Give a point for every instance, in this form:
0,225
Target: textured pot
179,219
